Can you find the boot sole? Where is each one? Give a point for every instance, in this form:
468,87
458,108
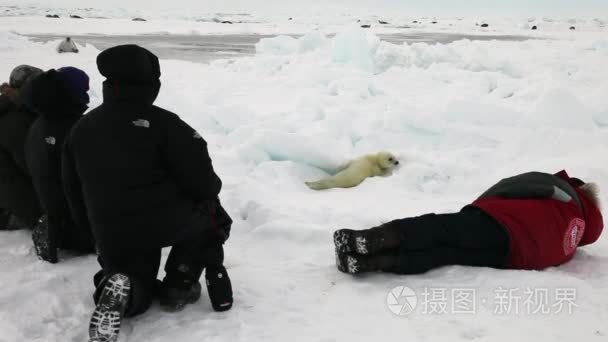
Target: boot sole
346,242
107,317
341,240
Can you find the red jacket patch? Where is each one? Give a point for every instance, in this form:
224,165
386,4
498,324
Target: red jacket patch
573,235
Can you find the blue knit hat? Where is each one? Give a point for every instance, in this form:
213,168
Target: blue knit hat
76,82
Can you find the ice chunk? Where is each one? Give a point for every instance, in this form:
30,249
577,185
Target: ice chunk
288,45
281,45
312,42
355,47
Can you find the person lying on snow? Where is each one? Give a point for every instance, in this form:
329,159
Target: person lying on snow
145,180
60,98
19,206
530,221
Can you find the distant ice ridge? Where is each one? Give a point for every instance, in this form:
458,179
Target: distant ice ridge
364,50
304,16
126,12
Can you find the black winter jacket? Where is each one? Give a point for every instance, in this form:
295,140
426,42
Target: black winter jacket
17,194
136,171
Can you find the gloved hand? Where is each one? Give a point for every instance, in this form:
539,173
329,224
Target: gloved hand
220,220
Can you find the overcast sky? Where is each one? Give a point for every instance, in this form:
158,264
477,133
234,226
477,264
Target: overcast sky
565,8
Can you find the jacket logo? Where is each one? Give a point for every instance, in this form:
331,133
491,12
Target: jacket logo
573,235
141,123
50,140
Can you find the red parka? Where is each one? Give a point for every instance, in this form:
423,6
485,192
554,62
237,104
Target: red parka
545,232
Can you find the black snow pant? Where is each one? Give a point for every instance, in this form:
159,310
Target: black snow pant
197,250
65,234
419,244
4,219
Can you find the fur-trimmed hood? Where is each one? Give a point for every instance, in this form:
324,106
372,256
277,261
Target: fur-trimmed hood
589,195
592,190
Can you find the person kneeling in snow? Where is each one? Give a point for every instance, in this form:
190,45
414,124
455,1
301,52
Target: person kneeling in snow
19,206
60,98
145,180
530,221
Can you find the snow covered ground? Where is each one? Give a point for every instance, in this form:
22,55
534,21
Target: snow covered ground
460,116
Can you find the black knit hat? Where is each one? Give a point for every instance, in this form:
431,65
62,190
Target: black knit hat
76,83
52,94
129,64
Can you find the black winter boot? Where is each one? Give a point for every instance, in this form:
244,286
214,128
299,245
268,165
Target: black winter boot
219,288
44,241
111,306
180,286
368,241
174,299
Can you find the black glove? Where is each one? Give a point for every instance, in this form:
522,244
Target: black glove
221,222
